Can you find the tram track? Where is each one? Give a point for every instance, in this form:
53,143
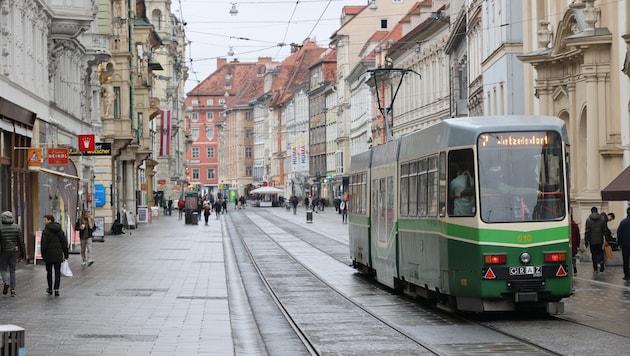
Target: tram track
326,337
282,233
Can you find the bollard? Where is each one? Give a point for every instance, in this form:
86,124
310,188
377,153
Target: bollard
12,340
309,217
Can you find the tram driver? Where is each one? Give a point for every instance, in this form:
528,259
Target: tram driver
462,192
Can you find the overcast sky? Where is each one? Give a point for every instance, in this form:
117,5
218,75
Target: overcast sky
256,31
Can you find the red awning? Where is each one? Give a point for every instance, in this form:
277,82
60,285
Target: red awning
619,188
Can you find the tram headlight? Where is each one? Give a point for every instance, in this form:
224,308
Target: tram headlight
526,258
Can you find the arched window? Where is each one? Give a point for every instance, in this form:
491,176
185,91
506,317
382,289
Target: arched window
156,19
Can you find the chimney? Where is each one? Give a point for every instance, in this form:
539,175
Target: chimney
221,62
295,47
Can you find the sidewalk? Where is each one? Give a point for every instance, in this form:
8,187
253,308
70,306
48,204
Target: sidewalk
159,289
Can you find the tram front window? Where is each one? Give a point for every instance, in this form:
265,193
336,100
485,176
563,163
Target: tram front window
521,176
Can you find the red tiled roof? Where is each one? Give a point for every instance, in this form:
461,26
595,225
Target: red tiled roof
230,77
353,9
293,72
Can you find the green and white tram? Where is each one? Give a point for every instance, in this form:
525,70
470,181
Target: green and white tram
470,212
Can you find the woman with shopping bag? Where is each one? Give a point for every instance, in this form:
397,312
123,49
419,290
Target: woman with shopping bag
54,247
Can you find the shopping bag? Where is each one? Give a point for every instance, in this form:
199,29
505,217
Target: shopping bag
65,269
608,251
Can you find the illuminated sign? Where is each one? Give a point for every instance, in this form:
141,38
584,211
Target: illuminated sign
100,149
514,139
99,195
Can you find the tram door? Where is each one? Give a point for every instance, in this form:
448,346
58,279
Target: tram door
383,229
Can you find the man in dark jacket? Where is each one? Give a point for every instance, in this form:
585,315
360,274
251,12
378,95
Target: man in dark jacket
12,249
623,239
86,226
594,236
54,251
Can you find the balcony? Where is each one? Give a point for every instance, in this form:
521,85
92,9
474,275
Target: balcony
117,129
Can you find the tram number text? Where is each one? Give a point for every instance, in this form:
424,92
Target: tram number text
525,238
535,271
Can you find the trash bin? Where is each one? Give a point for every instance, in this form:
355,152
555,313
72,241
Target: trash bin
12,342
309,217
187,216
195,218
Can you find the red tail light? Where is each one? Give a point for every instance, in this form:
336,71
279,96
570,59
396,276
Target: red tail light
494,259
555,256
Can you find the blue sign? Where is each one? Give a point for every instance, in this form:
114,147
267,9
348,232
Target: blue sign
99,195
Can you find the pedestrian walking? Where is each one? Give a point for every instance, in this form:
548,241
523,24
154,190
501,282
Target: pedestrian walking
217,207
343,206
180,208
594,236
294,202
224,209
85,226
12,247
623,239
575,243
206,211
170,207
54,248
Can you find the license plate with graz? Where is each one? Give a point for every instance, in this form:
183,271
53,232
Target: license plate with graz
534,271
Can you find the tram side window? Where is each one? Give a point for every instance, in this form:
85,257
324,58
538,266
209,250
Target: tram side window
362,209
404,190
442,196
423,204
461,190
432,186
357,194
413,189
353,193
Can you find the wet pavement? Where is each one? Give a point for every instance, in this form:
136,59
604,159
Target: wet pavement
162,289
159,289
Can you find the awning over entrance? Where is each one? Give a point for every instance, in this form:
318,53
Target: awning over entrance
619,188
56,173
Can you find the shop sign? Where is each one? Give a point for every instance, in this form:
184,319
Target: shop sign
58,156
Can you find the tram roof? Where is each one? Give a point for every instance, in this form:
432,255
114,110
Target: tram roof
361,161
464,131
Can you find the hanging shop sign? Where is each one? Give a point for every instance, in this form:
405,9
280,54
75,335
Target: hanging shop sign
86,143
34,157
100,149
58,156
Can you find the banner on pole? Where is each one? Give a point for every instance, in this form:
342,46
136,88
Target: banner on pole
165,136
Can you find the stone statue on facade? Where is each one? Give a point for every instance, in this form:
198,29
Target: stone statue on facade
107,91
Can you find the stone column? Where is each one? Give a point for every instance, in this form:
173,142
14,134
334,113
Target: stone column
129,186
592,134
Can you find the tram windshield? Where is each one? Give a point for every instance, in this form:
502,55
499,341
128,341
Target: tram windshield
521,176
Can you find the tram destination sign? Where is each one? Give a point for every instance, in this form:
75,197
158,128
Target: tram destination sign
514,139
100,149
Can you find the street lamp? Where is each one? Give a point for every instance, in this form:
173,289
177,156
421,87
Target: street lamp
233,10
